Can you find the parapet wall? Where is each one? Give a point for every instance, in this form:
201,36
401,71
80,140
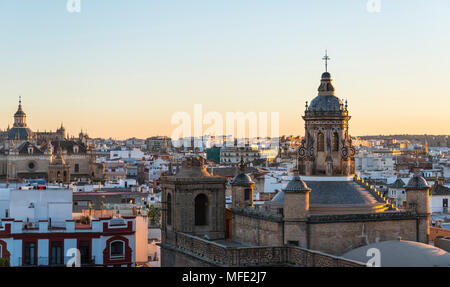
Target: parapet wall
203,252
435,232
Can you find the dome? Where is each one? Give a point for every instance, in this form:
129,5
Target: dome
328,103
193,167
296,184
417,182
400,253
326,75
242,179
20,133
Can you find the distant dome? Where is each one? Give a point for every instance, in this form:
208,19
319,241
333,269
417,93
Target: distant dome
20,133
399,253
242,179
329,103
417,182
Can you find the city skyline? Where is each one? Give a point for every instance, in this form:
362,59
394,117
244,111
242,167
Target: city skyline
127,78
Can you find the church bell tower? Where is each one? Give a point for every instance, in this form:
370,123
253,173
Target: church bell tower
327,147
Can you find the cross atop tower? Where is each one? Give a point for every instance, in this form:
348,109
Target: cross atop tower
326,59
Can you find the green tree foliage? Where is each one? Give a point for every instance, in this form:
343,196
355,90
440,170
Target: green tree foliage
154,214
4,262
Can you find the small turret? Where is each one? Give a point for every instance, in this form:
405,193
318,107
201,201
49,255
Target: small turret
242,188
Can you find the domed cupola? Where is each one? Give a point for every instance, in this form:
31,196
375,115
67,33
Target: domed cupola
20,116
326,101
418,182
242,179
326,88
297,185
20,131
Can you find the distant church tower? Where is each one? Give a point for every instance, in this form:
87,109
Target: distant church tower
327,146
193,202
242,188
58,170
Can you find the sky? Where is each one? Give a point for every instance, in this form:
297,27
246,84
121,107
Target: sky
122,69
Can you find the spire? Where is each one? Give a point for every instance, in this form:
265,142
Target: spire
326,59
242,165
326,88
59,155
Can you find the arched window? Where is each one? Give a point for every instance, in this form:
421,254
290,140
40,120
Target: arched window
247,194
320,142
201,210
117,249
335,141
169,209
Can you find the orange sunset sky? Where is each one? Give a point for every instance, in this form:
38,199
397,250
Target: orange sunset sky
121,69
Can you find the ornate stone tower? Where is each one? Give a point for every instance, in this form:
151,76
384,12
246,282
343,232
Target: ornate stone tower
417,198
327,146
242,188
58,170
20,131
193,202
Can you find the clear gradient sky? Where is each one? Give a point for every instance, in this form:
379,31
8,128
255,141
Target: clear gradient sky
121,68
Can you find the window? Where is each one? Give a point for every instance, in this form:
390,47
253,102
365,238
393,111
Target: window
169,209
77,167
201,209
335,141
56,252
29,253
293,243
117,249
445,202
247,194
320,142
84,247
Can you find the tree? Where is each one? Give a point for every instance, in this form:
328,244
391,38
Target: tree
154,213
4,262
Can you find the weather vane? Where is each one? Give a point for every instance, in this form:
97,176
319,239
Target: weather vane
326,59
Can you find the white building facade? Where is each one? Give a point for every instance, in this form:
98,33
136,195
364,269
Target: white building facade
36,229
